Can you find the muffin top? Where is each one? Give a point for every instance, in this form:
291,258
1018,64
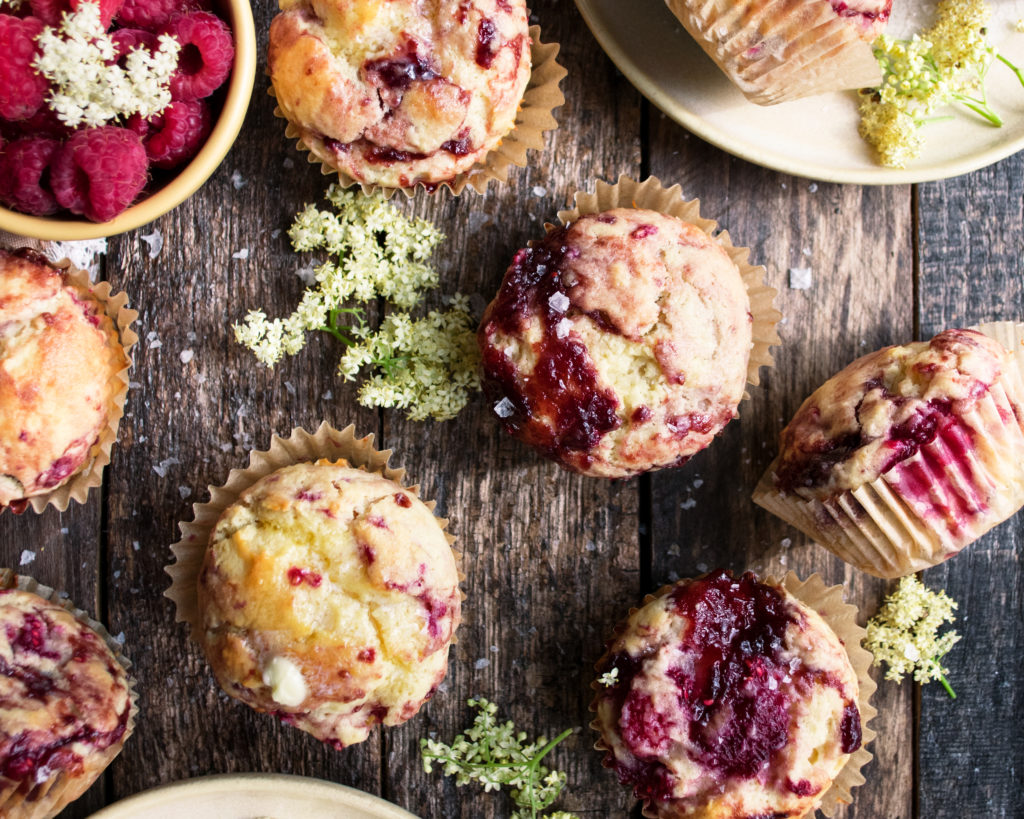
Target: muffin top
402,92
619,343
329,596
732,700
59,356
882,408
64,698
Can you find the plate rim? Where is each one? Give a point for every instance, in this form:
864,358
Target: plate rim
253,781
771,159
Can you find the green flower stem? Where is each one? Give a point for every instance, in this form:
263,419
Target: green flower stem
547,749
342,332
1019,74
946,685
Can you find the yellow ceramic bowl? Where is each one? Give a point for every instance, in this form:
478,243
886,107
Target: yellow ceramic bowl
190,178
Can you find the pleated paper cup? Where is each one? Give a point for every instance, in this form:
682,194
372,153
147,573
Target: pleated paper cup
841,618
327,443
47,798
534,117
781,50
116,321
928,507
651,194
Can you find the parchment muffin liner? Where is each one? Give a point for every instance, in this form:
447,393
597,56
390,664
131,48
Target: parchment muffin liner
114,307
841,617
879,530
651,194
50,797
534,117
299,447
780,51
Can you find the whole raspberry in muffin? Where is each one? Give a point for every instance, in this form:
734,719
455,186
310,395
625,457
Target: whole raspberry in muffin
65,705
329,597
727,698
400,93
59,360
619,343
928,436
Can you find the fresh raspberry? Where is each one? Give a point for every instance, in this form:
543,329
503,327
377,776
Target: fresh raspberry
207,53
24,184
128,39
175,134
50,11
43,122
22,90
99,172
154,14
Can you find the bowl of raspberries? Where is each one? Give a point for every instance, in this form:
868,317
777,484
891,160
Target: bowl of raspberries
113,112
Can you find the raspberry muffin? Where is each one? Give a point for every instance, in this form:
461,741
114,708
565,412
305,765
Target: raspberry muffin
328,596
65,706
59,360
400,93
618,343
730,698
775,52
903,458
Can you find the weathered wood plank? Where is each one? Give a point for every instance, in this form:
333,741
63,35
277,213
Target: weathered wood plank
972,750
857,243
551,558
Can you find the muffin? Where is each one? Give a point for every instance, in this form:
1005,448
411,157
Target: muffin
619,343
328,596
400,93
775,52
65,706
907,455
59,360
727,698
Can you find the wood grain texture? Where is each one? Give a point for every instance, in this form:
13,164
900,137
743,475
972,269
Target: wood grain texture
971,252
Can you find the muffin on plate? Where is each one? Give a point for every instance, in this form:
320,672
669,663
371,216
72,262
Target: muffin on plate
60,357
329,596
65,706
905,456
775,52
619,343
727,697
400,93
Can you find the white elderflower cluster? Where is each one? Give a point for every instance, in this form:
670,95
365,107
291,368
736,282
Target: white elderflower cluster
90,88
905,633
426,366
610,678
496,755
945,64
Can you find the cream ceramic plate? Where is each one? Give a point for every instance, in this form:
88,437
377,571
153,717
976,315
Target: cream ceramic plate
815,137
253,796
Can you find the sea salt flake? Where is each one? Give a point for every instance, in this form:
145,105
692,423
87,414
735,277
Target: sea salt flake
786,542
504,408
288,385
307,275
161,468
327,396
800,278
186,356
81,254
539,191
559,302
184,491
27,556
689,503
697,483
483,662
135,545
562,328
241,254
238,181
155,240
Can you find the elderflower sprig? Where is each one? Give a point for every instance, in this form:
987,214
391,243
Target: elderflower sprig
496,755
943,65
904,634
426,366
80,60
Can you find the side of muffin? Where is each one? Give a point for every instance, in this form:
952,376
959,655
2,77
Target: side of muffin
401,93
65,705
730,699
929,436
329,597
59,358
619,343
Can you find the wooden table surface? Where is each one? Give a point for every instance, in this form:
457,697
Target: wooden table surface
553,560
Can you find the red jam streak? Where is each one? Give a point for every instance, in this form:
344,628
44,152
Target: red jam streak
486,49
735,697
563,386
400,70
403,500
